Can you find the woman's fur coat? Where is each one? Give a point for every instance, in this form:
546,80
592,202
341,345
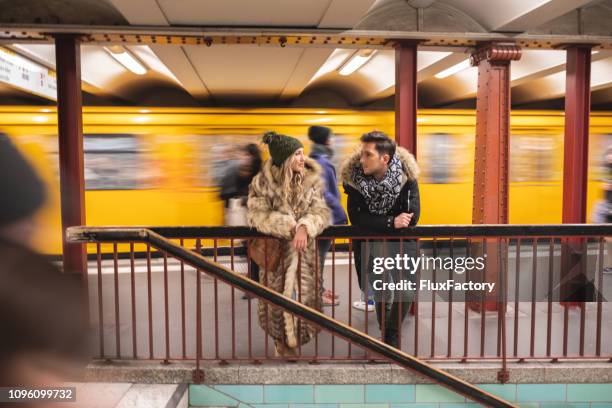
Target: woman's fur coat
270,214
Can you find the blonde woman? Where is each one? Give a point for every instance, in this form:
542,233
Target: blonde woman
286,201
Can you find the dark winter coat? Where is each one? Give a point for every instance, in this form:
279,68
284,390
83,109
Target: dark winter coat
359,213
40,308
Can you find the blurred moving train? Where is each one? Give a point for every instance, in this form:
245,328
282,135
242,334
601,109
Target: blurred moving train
156,166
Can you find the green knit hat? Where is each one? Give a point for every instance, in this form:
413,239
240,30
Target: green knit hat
281,146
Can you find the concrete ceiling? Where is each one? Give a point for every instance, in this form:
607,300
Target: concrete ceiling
266,75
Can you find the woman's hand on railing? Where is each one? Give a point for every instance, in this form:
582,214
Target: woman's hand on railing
300,240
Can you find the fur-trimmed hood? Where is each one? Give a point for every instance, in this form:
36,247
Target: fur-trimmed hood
411,168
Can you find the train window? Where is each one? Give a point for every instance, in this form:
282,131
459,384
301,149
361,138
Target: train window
114,162
532,158
443,158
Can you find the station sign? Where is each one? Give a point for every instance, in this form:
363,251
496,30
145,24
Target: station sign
28,76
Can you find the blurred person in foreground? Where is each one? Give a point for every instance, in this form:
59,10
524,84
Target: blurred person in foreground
286,201
234,190
383,195
322,152
42,340
602,213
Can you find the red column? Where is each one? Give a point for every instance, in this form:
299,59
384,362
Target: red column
576,142
72,184
575,160
490,197
406,95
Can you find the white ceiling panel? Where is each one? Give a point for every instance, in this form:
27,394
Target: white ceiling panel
140,12
244,12
306,67
344,13
553,86
244,69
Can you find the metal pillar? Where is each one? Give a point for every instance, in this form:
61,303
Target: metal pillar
575,160
406,95
490,197
576,142
72,183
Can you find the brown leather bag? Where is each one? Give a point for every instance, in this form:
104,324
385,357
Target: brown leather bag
259,251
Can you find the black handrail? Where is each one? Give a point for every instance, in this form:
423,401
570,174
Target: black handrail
424,231
110,234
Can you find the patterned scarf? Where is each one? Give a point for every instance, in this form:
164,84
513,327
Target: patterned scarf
380,195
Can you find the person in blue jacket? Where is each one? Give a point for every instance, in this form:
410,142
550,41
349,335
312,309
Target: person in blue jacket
322,153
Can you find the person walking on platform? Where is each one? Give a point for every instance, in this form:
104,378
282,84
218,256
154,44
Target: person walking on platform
602,213
322,152
286,201
234,189
383,194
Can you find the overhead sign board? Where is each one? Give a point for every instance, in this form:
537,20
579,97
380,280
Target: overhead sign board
23,74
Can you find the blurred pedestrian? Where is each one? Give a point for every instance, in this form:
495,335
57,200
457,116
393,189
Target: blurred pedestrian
40,308
602,213
323,152
286,201
234,190
383,195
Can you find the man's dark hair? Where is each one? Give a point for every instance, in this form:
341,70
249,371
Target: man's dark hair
384,144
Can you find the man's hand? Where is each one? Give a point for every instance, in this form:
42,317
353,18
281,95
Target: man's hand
402,220
300,240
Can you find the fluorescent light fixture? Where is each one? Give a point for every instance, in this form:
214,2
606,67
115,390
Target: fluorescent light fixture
335,60
148,57
454,69
356,61
125,58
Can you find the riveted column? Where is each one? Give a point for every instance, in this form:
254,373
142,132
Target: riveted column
490,197
575,167
406,95
70,127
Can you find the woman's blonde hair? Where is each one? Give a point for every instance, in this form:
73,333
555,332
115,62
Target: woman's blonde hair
291,182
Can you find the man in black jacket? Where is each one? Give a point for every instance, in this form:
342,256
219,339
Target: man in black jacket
383,194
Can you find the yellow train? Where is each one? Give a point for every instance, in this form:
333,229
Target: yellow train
155,166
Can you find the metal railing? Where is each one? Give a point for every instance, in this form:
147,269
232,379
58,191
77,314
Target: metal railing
527,319
132,235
